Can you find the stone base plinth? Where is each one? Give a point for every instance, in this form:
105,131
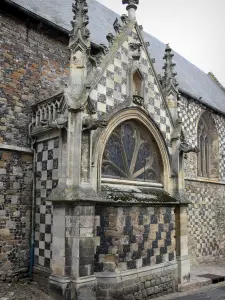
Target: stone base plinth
183,269
142,283
63,288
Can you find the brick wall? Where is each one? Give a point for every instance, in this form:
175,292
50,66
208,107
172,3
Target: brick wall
15,204
34,66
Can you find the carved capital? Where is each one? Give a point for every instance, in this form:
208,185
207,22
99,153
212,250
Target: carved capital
186,148
138,100
136,49
93,124
110,38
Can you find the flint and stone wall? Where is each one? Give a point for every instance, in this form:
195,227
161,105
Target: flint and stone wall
15,208
207,211
135,238
34,66
46,179
206,221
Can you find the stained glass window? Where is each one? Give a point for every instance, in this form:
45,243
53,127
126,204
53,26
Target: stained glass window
131,153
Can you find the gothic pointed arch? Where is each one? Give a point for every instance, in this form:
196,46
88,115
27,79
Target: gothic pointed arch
137,83
208,144
131,153
132,149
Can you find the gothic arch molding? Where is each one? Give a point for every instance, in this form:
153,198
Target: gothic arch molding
208,144
137,115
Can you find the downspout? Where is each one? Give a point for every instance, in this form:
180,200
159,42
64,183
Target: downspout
33,206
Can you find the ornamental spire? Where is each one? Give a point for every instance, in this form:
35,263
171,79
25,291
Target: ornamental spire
131,8
169,79
80,34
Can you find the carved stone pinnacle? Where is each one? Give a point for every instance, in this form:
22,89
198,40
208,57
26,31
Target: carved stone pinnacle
131,4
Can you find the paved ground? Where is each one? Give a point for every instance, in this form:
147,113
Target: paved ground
22,291
211,292
30,291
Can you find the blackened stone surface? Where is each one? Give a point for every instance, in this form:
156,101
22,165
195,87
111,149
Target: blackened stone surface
15,206
128,237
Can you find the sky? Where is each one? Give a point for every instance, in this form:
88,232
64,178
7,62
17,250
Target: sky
193,28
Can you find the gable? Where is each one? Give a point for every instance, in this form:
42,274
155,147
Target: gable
191,79
113,87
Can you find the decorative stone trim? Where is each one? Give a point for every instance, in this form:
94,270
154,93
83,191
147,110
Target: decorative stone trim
15,148
205,180
129,182
112,277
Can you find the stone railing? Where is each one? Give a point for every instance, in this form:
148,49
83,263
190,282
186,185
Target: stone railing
48,114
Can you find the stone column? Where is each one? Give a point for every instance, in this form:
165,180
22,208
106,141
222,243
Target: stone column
182,243
73,251
59,281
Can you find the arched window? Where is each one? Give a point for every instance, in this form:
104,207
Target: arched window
208,144
131,153
137,84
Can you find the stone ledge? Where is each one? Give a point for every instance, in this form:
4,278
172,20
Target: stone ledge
113,277
202,180
15,148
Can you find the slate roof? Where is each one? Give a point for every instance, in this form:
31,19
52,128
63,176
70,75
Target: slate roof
191,79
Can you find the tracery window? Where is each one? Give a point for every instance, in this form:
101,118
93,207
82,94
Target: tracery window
131,153
208,156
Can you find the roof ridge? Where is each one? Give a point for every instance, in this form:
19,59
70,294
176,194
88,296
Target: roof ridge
191,78
214,78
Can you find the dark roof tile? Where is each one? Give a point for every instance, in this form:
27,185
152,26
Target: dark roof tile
191,79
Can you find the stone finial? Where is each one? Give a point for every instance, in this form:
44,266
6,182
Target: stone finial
169,79
131,8
124,19
117,26
80,33
110,38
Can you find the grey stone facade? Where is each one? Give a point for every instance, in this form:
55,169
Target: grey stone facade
117,205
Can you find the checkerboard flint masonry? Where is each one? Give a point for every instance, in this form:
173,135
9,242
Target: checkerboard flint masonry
112,165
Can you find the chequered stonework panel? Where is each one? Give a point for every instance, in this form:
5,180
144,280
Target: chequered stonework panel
46,180
112,87
206,220
189,112
134,237
220,126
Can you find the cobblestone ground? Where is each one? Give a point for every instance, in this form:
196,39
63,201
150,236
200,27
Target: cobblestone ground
22,291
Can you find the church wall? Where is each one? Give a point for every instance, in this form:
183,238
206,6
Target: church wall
46,180
136,243
206,221
15,207
34,66
134,237
207,208
113,87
